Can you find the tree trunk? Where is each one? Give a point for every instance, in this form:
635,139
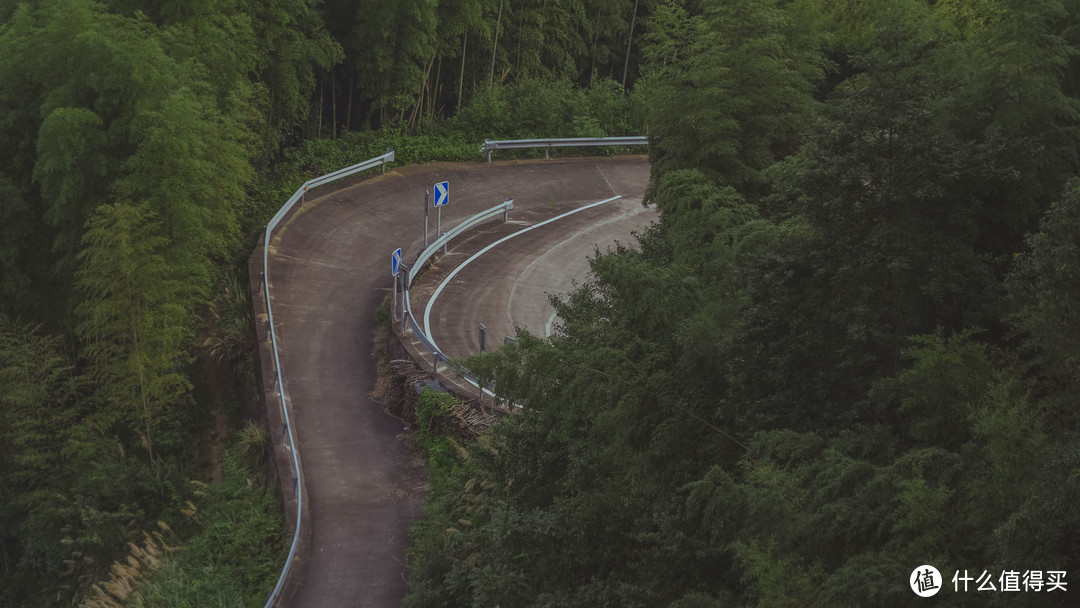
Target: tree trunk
333,105
461,78
626,64
348,107
495,44
595,38
435,90
322,100
142,390
418,109
517,54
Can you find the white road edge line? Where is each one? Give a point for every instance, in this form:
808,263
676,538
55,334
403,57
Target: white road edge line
552,250
449,277
551,321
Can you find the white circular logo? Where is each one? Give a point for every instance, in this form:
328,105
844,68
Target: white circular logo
925,581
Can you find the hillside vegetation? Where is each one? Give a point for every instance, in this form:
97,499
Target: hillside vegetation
848,348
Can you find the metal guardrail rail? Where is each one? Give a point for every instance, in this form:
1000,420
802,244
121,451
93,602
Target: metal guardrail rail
563,142
409,321
270,226
425,255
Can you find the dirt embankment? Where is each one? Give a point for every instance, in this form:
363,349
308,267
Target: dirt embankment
401,380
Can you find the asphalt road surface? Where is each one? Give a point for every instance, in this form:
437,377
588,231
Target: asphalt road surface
509,286
330,268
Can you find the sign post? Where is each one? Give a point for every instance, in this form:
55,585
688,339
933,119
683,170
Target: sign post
442,198
427,194
395,267
404,293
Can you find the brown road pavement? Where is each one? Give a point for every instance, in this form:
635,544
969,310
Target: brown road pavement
329,270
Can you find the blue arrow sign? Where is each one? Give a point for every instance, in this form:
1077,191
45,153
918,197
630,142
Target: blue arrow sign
395,262
442,193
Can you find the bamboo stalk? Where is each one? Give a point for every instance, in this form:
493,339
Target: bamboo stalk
495,44
626,64
461,78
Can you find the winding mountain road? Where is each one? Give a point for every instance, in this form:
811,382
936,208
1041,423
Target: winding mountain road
329,268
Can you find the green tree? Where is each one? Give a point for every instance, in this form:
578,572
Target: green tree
728,88
131,320
392,46
20,265
71,168
114,114
190,167
38,393
1042,287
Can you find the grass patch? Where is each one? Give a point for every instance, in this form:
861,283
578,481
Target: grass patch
444,454
448,468
235,557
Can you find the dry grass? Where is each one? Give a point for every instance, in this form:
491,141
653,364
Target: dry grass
126,573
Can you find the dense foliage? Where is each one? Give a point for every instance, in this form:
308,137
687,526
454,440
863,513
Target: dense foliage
848,347
131,135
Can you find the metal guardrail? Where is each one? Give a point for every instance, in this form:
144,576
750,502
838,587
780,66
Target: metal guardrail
415,328
436,353
479,218
425,255
347,171
273,223
563,142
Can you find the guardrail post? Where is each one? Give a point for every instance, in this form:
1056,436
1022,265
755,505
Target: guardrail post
404,288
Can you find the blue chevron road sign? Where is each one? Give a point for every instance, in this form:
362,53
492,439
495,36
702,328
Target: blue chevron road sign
442,193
